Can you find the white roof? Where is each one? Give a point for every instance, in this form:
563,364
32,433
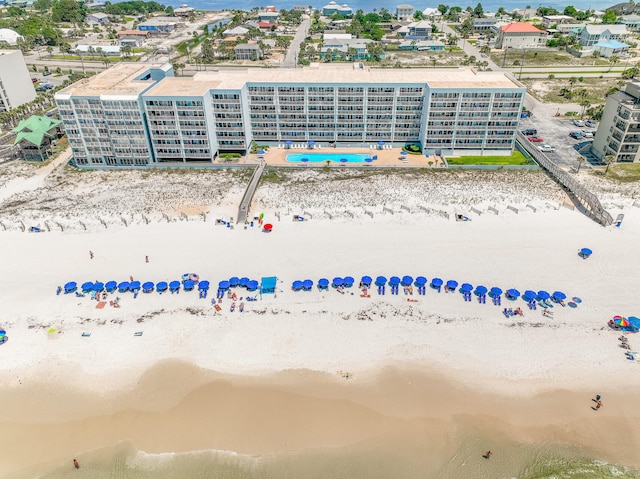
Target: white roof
9,36
616,29
431,11
405,6
237,31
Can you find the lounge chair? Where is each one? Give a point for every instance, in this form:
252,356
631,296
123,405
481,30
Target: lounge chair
138,333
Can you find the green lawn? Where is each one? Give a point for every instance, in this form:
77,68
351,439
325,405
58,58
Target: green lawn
624,173
516,158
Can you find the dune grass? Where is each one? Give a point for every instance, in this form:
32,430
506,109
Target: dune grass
516,158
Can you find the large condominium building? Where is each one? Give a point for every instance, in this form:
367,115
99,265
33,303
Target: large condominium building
135,114
618,133
16,87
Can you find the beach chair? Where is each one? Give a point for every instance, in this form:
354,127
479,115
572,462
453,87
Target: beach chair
86,335
138,333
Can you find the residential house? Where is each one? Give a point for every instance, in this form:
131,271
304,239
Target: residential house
332,8
404,12
98,18
248,51
35,136
183,11
99,49
156,27
431,13
525,14
593,34
301,8
340,48
549,20
132,38
421,45
235,32
416,30
611,48
520,35
336,35
484,24
632,22
266,27
569,28
268,17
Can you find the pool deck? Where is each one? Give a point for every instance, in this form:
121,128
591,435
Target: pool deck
275,156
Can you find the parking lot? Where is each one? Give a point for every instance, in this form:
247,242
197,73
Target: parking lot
555,131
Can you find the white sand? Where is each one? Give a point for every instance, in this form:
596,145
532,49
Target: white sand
326,331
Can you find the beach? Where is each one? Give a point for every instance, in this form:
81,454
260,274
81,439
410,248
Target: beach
316,377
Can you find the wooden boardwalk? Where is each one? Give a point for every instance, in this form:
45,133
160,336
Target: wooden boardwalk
245,203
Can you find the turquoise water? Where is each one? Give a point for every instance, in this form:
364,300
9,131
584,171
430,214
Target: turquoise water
322,157
510,461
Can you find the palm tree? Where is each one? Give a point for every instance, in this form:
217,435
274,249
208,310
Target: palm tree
434,60
50,50
581,159
613,60
608,160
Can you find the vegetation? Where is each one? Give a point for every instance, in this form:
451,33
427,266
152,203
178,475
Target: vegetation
626,173
516,158
273,175
133,7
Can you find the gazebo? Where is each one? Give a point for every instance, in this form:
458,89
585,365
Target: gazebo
35,135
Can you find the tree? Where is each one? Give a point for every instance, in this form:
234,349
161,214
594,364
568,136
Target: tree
68,11
42,5
570,11
443,9
581,159
609,159
64,49
609,17
478,12
613,60
126,50
50,50
178,66
434,60
206,51
418,15
169,10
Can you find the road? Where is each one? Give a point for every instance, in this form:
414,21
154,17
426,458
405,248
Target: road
302,32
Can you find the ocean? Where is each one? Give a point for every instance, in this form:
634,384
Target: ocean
369,5
509,461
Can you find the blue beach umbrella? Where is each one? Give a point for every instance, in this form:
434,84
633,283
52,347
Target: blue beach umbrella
495,291
243,282
466,288
559,295
323,283
203,285
586,252
421,281
307,284
407,280
189,285
311,142
368,160
296,285
304,160
252,285
394,281
234,281
70,287
404,153
162,286
147,287
348,281
337,282
513,293
436,282
366,280
344,160
97,287
260,152
381,280
452,284
381,143
111,286
529,295
123,287
224,285
287,142
174,285
134,286
86,287
481,290
543,295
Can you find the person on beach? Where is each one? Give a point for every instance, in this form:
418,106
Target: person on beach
488,454
90,254
146,259
75,464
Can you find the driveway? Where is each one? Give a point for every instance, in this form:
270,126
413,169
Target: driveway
302,32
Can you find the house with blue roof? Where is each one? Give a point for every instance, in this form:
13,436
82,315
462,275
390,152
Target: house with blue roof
611,48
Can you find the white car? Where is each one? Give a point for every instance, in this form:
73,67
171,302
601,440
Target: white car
547,148
587,134
578,123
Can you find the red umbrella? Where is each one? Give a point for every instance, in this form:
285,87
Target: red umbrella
268,227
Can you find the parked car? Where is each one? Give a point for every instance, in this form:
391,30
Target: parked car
41,88
578,123
34,80
590,124
530,132
46,85
547,148
46,73
535,139
576,134
587,134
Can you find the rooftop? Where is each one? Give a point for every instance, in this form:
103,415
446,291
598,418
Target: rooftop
520,27
120,79
183,86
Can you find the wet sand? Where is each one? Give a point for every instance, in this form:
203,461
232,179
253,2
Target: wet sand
400,412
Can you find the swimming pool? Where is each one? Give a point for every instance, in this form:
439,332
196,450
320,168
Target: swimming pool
322,157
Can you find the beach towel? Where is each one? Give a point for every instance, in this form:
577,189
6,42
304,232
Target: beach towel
218,308
100,304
